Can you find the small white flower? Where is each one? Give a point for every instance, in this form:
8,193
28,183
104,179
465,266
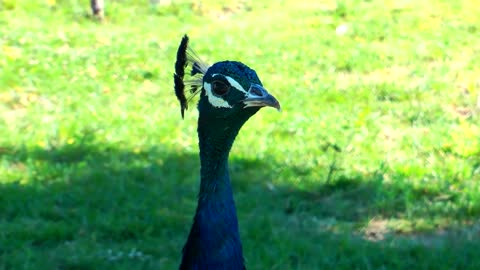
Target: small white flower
341,29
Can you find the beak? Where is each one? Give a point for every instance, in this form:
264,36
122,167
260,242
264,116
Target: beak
258,96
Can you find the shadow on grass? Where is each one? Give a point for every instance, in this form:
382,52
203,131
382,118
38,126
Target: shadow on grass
354,197
67,200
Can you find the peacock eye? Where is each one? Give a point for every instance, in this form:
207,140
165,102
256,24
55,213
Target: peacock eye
220,88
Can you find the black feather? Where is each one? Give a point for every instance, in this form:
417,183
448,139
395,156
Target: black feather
180,66
196,69
187,59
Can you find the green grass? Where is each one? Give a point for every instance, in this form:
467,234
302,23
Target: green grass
374,162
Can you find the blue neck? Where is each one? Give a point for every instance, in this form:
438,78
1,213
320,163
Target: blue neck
214,241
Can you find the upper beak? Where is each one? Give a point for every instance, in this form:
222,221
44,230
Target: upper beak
258,96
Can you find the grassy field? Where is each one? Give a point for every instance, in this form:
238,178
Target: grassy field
374,162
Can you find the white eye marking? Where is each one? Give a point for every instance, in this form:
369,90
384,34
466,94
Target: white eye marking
235,84
232,82
214,100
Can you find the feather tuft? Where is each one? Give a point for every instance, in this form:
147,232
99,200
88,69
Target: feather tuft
188,59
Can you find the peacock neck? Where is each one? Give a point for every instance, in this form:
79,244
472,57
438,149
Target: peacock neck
214,152
214,241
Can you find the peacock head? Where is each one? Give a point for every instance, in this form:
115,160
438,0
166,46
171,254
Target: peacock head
229,90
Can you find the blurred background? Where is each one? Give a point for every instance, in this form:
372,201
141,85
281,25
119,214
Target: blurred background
374,162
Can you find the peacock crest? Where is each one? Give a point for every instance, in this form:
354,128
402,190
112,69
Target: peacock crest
188,60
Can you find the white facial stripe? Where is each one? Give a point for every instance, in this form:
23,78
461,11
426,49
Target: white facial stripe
214,100
232,82
235,84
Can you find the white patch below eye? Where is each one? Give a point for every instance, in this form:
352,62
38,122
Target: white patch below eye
214,100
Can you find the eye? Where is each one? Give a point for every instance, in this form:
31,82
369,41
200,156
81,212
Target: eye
220,88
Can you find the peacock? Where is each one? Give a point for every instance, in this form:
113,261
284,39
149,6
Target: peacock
230,93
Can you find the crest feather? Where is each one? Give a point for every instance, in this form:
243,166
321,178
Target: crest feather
187,59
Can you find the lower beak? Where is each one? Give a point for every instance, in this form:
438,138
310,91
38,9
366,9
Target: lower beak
258,96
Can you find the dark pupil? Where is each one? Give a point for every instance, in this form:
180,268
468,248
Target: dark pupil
220,88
